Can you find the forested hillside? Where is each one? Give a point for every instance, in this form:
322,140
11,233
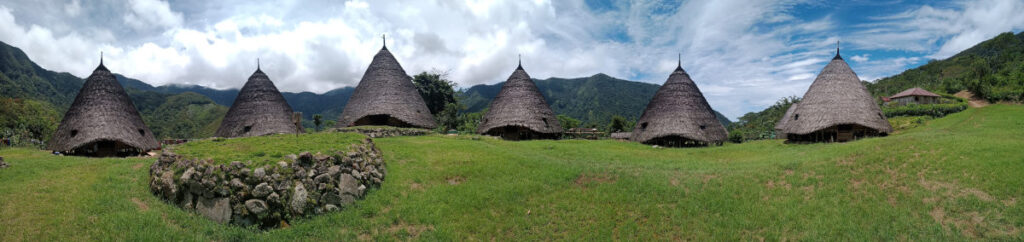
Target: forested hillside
33,101
993,69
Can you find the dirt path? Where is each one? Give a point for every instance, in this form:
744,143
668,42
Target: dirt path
972,100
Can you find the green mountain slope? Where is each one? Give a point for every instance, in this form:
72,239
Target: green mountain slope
26,86
993,69
593,99
22,78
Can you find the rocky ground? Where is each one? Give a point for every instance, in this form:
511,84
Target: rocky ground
384,131
269,196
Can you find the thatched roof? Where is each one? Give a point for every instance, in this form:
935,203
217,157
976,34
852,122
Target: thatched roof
836,97
917,91
520,104
679,109
785,119
258,110
102,111
387,90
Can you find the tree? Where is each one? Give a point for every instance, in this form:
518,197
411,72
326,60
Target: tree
448,118
568,122
317,121
22,120
619,124
436,90
468,122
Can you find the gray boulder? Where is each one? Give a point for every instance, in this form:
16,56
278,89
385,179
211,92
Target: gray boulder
298,203
216,209
262,190
256,206
259,173
349,185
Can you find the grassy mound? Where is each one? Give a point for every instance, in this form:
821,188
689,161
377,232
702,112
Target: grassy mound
268,149
953,178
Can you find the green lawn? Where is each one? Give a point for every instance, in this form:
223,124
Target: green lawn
268,149
952,178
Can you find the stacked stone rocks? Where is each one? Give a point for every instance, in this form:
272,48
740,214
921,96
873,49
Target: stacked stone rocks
2,163
269,196
380,132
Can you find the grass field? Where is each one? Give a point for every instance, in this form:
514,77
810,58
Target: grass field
952,178
268,149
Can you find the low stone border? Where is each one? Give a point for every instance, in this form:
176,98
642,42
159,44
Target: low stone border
380,132
305,184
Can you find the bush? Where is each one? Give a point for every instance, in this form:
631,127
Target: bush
933,110
955,105
735,137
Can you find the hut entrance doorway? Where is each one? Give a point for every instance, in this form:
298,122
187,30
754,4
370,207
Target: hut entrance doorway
105,148
844,133
838,133
519,133
675,141
381,119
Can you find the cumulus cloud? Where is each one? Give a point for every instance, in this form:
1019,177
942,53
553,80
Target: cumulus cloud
146,14
942,31
860,58
743,54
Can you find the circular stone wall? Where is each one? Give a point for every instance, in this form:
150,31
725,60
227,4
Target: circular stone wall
269,196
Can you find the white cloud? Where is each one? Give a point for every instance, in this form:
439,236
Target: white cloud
962,25
146,14
860,58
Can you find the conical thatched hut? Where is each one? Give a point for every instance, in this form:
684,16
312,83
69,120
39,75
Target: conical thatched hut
258,110
102,121
519,112
386,96
679,116
837,107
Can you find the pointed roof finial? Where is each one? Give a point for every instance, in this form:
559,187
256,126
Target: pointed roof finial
383,39
837,52
101,57
680,64
257,63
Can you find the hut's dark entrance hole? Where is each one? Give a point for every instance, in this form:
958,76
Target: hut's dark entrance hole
382,119
519,133
838,133
677,141
105,148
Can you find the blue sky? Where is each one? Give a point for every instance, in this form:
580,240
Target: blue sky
743,54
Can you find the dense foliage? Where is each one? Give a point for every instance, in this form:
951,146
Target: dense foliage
568,122
760,125
25,122
993,70
184,116
437,91
439,94
933,110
